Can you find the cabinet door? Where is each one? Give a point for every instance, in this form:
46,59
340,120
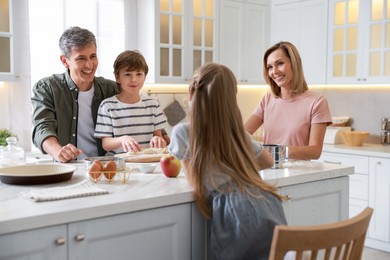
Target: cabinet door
303,23
359,41
379,199
176,37
162,233
6,40
38,244
317,202
244,37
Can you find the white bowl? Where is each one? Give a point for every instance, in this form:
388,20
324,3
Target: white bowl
147,167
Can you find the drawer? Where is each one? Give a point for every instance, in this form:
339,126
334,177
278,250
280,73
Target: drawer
359,162
358,186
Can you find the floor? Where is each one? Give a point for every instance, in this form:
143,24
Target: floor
373,254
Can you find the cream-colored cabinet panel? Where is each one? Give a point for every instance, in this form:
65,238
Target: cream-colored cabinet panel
38,244
359,41
176,37
243,38
303,23
323,202
379,200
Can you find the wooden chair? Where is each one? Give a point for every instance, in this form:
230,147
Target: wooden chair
341,240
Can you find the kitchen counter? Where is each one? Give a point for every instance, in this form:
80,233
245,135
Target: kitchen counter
142,192
377,150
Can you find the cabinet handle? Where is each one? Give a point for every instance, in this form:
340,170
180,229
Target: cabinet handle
79,237
60,241
326,161
288,197
379,163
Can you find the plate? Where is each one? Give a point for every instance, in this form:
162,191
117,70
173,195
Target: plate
32,174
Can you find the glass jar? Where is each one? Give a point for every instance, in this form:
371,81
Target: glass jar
12,154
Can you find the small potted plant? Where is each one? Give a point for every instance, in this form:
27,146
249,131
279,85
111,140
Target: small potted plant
4,134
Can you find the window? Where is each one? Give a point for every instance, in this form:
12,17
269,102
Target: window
49,18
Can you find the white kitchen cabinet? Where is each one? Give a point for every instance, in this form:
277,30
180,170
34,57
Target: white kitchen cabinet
176,37
359,45
369,186
161,233
379,194
38,244
358,182
243,38
303,23
323,202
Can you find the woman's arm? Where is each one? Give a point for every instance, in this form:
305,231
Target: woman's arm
314,149
252,124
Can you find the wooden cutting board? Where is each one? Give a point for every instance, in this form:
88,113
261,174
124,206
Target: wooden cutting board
142,157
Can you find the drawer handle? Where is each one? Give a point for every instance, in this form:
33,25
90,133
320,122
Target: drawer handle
288,197
79,237
332,162
60,241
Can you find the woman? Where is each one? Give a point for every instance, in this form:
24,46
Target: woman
222,163
292,115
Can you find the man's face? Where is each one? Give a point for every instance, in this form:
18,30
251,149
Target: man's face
82,64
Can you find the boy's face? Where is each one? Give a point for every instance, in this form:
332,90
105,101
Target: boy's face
131,81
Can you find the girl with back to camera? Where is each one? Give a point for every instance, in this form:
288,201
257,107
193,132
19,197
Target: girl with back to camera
292,115
222,163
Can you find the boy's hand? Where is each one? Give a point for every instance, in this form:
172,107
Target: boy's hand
158,142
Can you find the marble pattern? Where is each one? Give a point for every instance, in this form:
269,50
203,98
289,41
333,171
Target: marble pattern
143,191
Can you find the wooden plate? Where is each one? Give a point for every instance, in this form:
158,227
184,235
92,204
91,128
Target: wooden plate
32,174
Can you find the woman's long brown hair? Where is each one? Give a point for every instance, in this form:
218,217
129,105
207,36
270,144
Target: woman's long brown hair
217,136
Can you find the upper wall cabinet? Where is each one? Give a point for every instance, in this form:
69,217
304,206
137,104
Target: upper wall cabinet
176,37
304,24
244,37
359,41
6,41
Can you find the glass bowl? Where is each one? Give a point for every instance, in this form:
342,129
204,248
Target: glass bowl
108,169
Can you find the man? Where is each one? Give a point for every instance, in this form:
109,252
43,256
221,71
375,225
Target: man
65,105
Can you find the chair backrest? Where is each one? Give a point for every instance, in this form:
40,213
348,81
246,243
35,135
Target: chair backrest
341,240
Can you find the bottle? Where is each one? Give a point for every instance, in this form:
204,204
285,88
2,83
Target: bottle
12,154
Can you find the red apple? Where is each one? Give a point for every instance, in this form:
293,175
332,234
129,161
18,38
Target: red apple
170,165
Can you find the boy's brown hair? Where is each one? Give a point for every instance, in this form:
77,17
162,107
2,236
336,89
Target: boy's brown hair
132,61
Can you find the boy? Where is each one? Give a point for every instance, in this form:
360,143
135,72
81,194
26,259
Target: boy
130,121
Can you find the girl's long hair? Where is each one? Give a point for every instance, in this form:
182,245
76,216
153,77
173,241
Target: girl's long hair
218,139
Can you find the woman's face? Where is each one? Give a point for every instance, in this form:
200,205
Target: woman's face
279,68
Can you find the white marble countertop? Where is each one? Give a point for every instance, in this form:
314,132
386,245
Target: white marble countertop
143,191
377,150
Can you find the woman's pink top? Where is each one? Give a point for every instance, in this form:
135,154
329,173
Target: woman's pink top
288,122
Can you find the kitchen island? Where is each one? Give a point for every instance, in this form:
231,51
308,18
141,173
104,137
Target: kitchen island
152,216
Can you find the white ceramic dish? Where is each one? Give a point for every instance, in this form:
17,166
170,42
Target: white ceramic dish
143,167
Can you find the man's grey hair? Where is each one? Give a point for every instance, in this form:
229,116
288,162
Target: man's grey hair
75,37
